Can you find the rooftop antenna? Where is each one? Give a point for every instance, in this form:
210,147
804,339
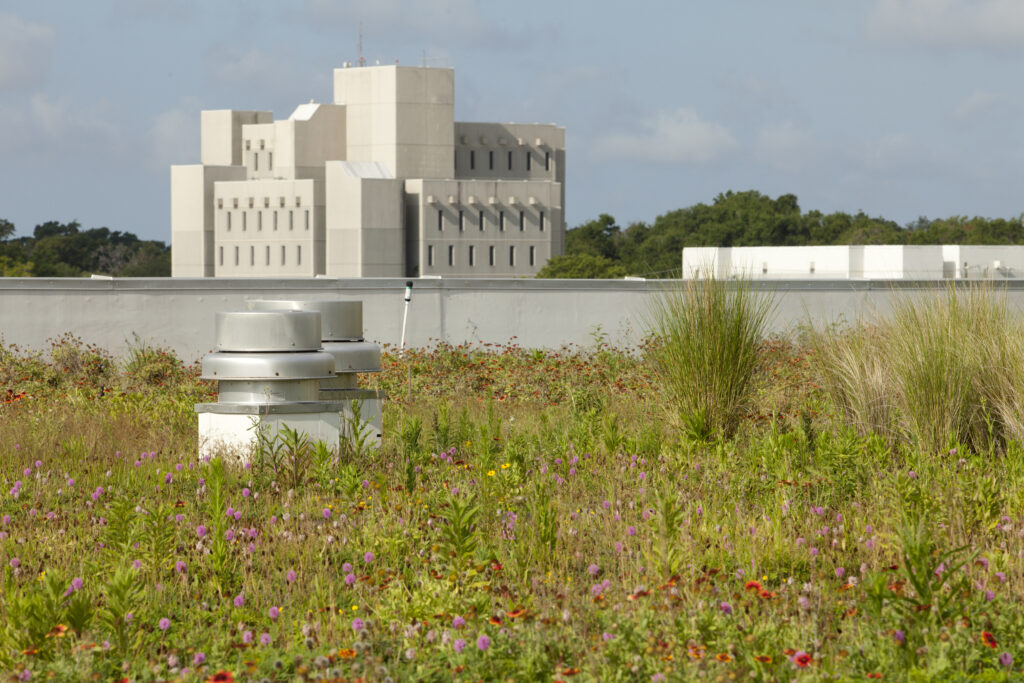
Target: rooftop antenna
362,60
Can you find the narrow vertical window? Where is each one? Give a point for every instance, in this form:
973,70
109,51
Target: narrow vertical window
307,219
501,221
528,160
440,219
282,254
275,219
270,161
245,216
472,255
490,160
291,219
252,256
430,254
255,161
229,221
490,255
542,221
533,256
259,220
451,254
510,160
547,161
481,221
462,221
221,256
522,221
298,254
236,256
472,159
512,255
267,255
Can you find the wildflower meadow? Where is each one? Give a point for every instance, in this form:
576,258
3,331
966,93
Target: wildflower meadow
839,511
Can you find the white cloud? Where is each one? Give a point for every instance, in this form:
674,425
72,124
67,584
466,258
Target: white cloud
49,128
982,24
679,136
977,104
25,52
174,136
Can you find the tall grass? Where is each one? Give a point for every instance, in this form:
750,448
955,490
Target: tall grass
707,357
851,368
943,369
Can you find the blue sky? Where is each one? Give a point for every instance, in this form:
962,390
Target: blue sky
899,108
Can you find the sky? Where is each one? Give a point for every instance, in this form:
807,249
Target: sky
898,108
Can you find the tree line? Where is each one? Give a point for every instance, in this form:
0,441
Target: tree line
602,249
65,250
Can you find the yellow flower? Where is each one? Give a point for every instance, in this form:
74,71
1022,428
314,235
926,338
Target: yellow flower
505,466
355,608
490,473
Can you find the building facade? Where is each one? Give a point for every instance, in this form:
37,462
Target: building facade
380,183
857,262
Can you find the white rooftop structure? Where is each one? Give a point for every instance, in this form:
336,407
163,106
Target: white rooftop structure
380,183
856,262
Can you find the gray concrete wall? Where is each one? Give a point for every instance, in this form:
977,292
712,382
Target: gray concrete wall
179,313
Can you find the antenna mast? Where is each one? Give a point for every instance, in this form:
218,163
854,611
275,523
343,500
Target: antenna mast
362,60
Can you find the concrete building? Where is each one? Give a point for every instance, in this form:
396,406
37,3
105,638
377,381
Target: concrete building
381,183
857,262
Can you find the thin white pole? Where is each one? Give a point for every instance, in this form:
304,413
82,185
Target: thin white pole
405,319
405,315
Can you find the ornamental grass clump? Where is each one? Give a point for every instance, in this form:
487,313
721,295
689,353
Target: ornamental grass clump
942,369
709,333
851,367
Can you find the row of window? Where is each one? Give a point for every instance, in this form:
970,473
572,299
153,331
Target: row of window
252,255
252,202
259,220
509,156
480,221
491,255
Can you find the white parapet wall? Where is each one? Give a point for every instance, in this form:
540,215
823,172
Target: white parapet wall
178,313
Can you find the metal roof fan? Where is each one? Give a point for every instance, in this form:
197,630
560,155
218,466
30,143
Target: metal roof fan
268,366
342,337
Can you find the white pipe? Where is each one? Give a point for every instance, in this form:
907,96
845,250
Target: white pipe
405,315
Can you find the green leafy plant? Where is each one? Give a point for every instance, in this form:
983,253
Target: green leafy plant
459,535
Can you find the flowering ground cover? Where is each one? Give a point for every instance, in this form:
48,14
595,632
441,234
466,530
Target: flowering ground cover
533,516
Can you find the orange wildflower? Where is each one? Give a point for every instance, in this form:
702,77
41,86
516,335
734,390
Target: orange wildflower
989,639
723,657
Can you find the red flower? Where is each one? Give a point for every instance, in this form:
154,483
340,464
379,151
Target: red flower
753,586
801,659
989,639
764,659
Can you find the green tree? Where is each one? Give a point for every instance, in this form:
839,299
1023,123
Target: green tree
581,266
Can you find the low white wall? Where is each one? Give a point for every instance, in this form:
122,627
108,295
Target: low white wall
179,313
